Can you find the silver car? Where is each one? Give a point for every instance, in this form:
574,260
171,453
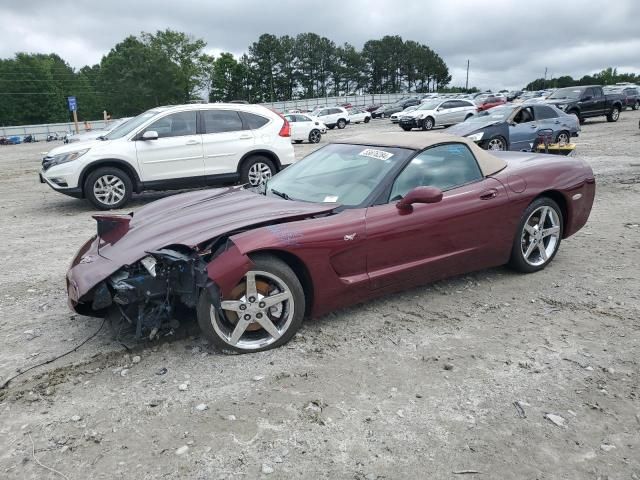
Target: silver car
435,113
94,134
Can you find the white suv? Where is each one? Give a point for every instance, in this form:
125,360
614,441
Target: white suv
331,116
173,147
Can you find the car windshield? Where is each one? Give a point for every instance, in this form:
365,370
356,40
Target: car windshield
568,93
430,105
346,174
130,125
498,114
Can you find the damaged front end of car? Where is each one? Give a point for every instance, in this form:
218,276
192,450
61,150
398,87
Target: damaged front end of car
144,295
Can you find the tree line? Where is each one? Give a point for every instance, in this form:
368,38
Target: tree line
171,67
608,76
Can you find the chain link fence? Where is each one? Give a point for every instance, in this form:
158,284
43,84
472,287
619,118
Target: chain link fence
41,132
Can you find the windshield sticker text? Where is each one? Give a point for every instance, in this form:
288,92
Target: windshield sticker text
377,154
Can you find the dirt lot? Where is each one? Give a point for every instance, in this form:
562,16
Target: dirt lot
438,382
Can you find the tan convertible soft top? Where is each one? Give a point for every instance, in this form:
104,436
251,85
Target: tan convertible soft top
489,164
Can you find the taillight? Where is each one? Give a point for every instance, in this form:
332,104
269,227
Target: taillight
285,131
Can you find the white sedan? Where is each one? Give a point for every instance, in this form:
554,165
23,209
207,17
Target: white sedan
305,128
359,115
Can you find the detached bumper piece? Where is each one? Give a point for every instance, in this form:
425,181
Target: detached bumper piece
145,294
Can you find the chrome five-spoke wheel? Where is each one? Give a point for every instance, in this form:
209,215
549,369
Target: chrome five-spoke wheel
539,236
264,310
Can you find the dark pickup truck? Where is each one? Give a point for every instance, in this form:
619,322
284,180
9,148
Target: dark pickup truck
587,102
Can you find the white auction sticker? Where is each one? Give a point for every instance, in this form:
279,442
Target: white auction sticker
373,153
330,199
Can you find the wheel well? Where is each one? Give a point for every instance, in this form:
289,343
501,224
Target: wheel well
265,153
301,271
128,169
562,203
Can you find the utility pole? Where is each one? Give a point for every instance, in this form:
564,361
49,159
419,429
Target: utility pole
466,85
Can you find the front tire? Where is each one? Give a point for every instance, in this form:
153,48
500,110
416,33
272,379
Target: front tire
108,188
256,170
428,123
497,144
636,105
538,236
264,310
367,119
613,115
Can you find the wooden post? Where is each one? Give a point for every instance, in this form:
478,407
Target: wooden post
104,116
75,120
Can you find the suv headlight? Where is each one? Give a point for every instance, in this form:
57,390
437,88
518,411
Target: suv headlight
66,157
476,137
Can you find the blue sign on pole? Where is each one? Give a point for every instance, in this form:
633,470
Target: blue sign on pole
73,105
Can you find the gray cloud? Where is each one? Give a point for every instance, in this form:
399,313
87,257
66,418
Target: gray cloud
507,42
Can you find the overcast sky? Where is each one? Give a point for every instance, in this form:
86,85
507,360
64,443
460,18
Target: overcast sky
508,42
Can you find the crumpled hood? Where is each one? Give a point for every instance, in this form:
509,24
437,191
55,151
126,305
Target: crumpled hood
194,217
185,219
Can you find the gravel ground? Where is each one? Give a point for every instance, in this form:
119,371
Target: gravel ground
507,375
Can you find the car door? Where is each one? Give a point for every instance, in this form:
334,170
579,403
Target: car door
445,113
305,125
588,104
599,100
547,118
433,241
225,139
523,129
176,153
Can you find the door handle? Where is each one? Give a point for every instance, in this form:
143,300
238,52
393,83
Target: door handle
245,137
192,142
534,126
489,194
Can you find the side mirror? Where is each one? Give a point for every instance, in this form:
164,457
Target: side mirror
420,195
150,135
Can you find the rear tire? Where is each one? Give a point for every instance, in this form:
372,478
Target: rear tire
613,115
342,123
529,233
315,136
256,170
636,105
563,136
367,119
108,188
271,277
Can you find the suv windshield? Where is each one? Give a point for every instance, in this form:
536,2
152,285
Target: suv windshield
569,93
346,174
130,125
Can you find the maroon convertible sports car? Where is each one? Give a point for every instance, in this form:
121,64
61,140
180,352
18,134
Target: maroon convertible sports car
349,222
